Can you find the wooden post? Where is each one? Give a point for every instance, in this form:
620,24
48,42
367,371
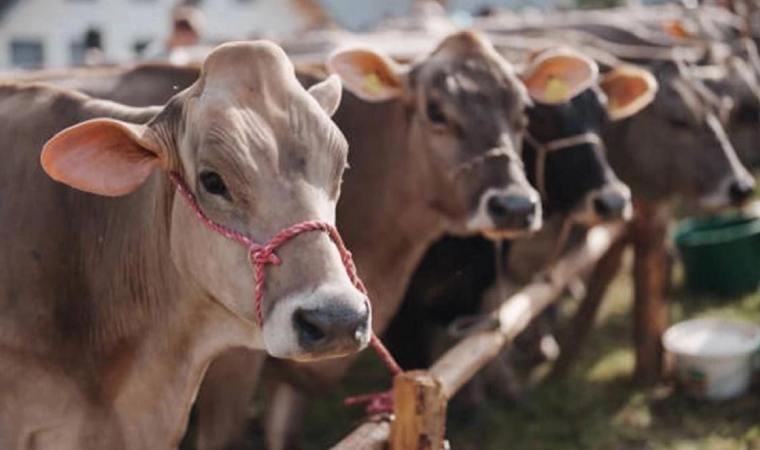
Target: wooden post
420,410
576,332
650,272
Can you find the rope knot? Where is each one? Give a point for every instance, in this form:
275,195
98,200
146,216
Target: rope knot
262,256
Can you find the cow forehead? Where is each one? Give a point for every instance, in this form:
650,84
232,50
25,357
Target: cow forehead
475,81
258,77
466,68
249,69
249,109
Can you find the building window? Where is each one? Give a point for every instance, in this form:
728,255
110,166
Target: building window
140,46
77,51
27,53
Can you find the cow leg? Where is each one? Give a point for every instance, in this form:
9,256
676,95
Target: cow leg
225,396
577,331
284,416
649,235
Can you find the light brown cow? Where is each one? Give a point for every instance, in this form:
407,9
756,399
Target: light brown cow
112,308
435,148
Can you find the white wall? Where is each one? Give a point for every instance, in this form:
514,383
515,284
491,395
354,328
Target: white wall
123,22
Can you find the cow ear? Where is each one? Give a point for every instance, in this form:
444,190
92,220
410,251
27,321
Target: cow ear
368,75
102,156
328,93
557,75
629,89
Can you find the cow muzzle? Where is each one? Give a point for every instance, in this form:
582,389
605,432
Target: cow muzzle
611,203
330,322
507,213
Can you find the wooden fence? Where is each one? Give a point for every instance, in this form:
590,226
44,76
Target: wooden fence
420,397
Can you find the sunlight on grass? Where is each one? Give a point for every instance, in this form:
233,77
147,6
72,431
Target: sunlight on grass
615,364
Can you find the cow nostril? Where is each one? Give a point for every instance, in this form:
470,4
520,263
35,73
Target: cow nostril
608,205
739,191
601,207
501,206
308,326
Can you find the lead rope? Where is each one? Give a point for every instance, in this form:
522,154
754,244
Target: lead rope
261,255
543,150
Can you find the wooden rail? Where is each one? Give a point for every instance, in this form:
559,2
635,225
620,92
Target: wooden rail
420,397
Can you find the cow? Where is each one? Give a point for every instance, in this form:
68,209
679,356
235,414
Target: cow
677,148
121,271
580,188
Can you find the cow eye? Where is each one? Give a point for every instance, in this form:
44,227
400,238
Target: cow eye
435,113
213,184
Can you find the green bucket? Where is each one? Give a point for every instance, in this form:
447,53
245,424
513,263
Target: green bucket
721,255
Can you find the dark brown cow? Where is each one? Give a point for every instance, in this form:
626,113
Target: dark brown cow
112,308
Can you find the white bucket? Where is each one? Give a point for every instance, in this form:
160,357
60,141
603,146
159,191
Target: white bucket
714,357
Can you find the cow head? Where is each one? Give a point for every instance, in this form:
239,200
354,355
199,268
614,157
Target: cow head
259,154
466,121
677,145
564,154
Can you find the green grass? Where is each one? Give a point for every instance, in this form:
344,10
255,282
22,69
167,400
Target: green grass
595,407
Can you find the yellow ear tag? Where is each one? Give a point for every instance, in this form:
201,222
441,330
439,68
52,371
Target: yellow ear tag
372,84
556,90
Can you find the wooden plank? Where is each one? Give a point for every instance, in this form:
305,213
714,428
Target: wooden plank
371,435
466,358
420,412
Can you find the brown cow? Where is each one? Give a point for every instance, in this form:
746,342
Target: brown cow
435,148
112,308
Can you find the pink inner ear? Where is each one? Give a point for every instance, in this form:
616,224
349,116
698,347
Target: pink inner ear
101,157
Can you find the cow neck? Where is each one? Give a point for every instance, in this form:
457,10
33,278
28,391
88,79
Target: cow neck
153,332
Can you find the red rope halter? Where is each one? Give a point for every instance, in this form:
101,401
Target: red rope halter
259,255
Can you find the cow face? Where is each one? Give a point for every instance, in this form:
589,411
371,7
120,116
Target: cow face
564,154
678,146
466,121
260,154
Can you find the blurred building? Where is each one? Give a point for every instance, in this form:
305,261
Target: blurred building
51,33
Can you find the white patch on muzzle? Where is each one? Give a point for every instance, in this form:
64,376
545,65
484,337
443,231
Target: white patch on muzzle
586,213
281,338
482,222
